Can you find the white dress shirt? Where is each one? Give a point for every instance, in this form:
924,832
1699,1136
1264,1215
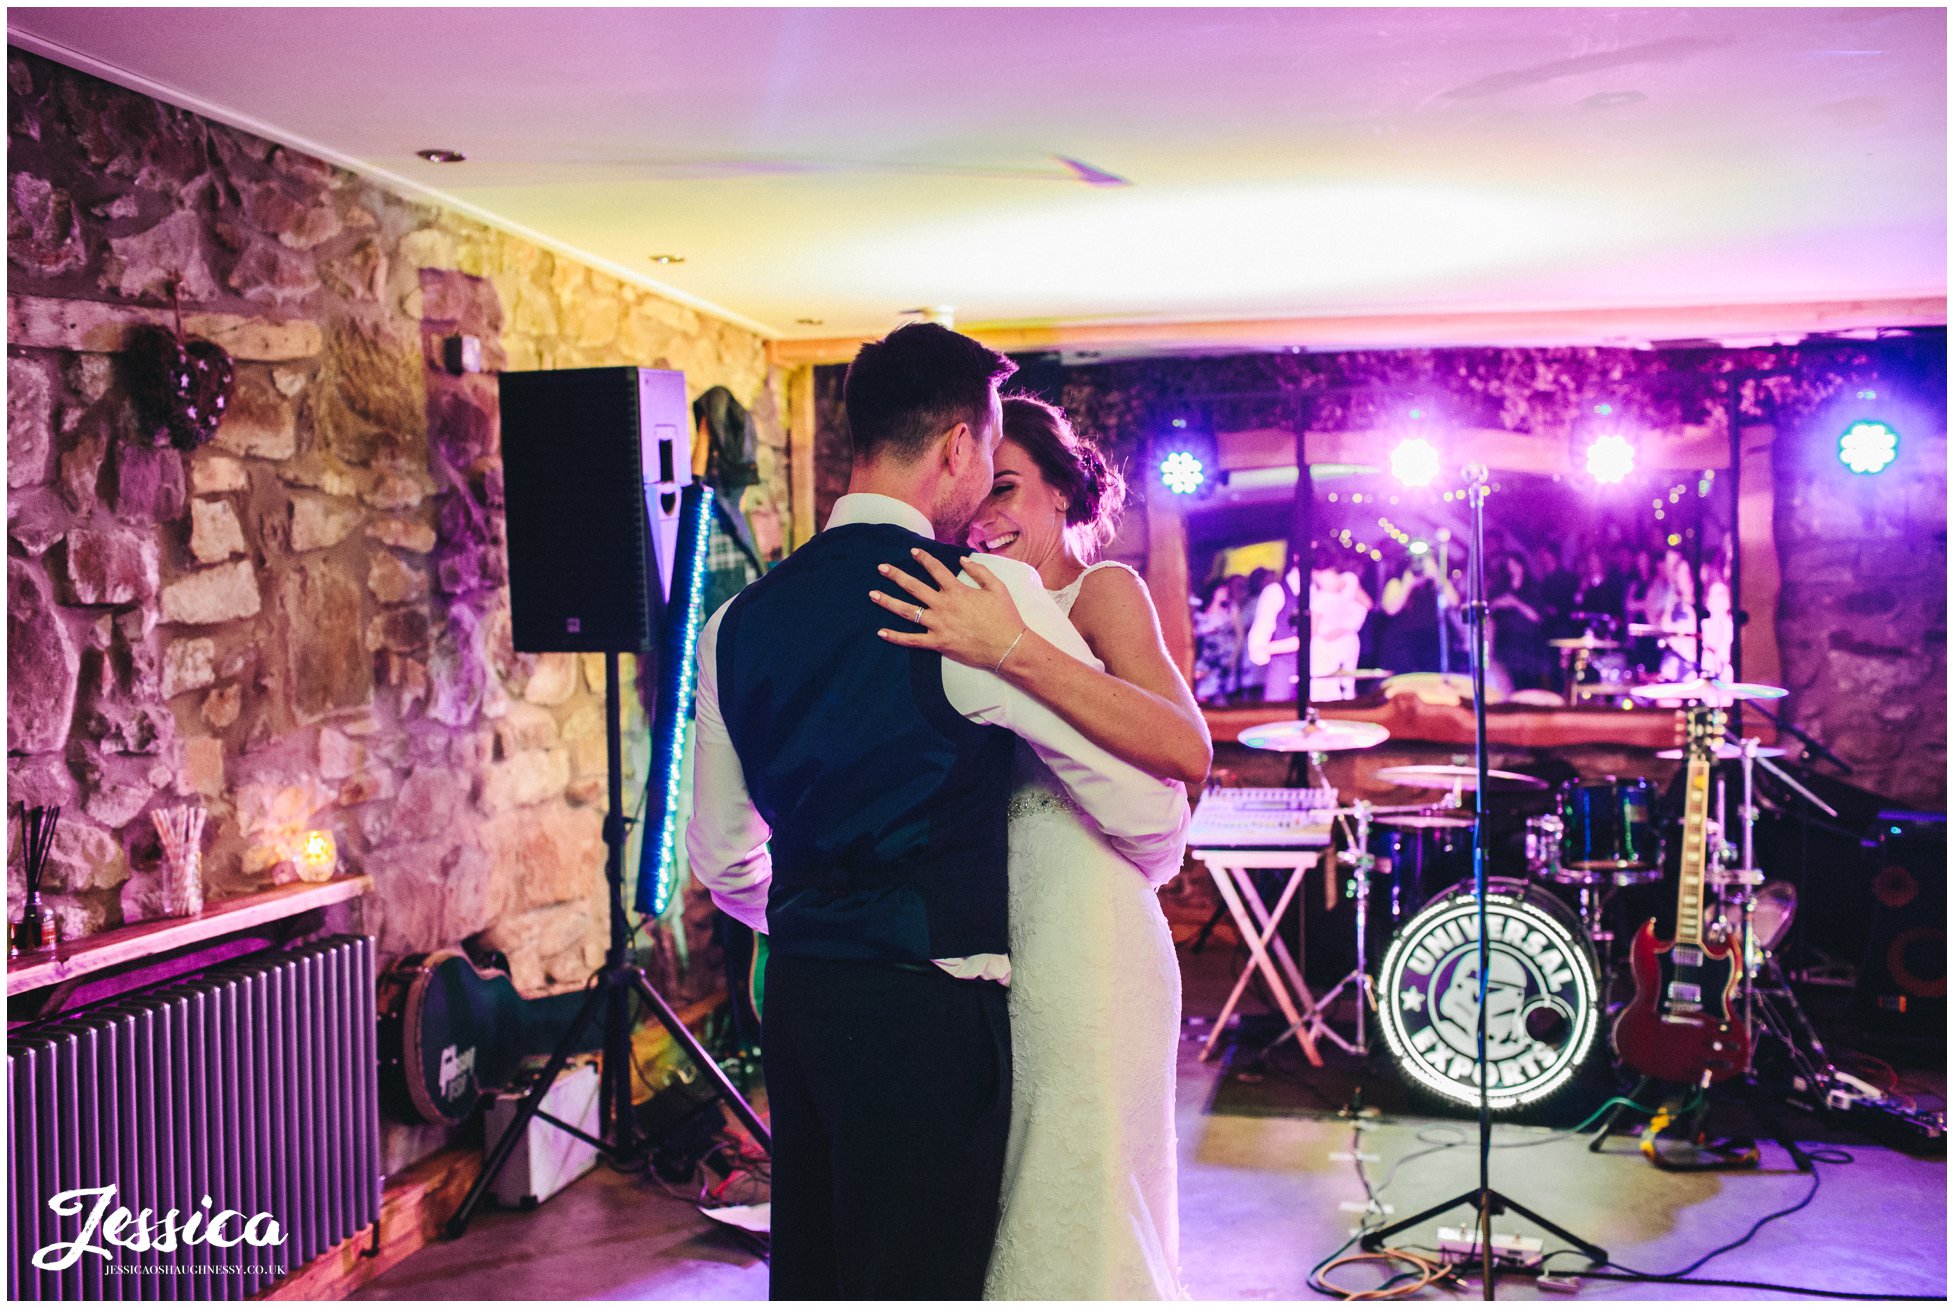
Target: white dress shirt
1143,817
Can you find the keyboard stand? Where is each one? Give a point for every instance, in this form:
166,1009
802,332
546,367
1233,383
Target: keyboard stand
1267,953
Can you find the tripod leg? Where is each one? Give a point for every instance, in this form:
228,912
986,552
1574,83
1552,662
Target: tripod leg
1595,1252
531,1102
1607,1127
703,1060
1375,1240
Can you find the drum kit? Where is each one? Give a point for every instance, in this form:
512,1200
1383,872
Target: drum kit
1553,964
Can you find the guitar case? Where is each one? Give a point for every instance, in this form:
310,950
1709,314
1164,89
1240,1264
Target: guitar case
451,1031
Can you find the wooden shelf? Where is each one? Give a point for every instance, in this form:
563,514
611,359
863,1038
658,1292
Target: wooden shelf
133,944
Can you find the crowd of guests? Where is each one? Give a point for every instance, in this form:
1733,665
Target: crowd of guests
1639,598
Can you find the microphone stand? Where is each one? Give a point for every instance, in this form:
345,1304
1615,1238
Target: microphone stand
1485,1200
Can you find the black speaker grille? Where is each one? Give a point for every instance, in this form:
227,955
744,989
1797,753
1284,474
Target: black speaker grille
579,545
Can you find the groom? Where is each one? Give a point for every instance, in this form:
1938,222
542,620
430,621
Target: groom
850,800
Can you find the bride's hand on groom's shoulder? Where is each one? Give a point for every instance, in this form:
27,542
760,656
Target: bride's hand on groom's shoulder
976,624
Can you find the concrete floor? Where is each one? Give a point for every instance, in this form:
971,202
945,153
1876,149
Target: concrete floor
1262,1201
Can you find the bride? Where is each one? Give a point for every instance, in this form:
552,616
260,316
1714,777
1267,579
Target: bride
1089,1207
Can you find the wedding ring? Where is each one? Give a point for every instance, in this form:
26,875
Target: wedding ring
918,619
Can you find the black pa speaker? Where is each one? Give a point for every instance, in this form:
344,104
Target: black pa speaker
1903,978
593,461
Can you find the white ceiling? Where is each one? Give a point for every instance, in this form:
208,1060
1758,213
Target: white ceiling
845,165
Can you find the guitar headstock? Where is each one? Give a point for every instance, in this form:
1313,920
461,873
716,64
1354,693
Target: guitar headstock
1702,730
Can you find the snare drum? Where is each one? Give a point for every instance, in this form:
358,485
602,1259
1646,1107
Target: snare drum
1610,826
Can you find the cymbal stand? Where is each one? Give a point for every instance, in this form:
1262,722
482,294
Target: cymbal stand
1310,766
1361,862
1768,1000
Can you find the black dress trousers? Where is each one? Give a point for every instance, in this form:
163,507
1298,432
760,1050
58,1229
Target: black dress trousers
890,1094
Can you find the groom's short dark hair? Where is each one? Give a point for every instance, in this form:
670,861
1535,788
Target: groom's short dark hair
914,384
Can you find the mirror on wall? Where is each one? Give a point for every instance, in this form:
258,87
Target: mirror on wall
1593,586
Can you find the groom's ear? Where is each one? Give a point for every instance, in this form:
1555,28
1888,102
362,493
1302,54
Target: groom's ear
959,446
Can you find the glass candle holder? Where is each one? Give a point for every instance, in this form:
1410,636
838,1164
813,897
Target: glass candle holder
318,856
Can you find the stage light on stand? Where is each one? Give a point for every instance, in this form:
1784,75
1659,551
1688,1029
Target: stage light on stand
1610,459
1869,447
1186,458
1182,473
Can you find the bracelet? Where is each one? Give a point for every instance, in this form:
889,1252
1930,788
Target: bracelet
999,665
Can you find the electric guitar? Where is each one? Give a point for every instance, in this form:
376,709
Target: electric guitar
1679,1027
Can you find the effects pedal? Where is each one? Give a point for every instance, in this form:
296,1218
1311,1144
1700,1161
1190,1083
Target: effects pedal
1508,1250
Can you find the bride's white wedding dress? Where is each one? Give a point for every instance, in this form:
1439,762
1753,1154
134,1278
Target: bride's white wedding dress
1089,1201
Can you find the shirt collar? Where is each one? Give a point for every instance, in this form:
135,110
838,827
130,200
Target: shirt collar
863,506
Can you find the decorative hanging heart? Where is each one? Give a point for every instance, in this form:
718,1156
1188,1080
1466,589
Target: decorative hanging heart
182,387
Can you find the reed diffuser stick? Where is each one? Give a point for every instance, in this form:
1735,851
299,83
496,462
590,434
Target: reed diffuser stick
37,825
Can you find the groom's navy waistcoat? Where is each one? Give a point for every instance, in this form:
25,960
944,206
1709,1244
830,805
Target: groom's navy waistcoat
887,805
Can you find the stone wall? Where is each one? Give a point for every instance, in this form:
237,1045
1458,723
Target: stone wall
303,624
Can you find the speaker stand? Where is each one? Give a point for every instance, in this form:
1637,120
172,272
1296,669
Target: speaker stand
608,998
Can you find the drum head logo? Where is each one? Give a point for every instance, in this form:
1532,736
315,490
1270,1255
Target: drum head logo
1541,1014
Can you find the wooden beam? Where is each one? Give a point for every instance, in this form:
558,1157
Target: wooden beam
1629,326
800,454
1757,559
1512,726
96,327
1167,579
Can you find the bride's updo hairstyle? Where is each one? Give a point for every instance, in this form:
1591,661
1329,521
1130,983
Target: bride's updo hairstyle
1094,491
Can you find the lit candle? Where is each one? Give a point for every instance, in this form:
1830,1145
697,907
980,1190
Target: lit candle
318,856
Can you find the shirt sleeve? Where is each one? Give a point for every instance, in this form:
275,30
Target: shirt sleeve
1142,816
726,841
1261,631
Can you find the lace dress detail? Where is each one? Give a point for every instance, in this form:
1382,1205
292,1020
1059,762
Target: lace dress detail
1089,1203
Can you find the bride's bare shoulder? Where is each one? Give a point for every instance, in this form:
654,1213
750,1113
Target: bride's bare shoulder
1113,601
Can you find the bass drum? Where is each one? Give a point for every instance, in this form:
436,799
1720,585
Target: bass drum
1543,1009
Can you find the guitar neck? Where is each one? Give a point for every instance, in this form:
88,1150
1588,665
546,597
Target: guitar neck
1696,822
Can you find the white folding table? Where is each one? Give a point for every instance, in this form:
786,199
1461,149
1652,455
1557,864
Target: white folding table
1258,923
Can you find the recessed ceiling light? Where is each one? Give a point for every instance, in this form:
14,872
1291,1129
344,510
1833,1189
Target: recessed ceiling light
808,322
441,156
668,258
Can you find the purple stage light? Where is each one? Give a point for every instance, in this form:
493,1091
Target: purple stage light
1869,447
1415,462
1610,459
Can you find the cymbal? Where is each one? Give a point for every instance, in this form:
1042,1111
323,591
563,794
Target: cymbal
1646,629
1353,674
1311,737
1708,691
1583,642
1430,819
1726,750
1455,777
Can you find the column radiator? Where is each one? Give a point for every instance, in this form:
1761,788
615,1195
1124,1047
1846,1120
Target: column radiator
252,1085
